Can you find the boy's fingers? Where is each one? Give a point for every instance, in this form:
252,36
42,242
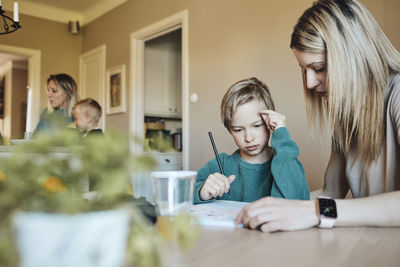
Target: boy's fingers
217,186
269,119
221,187
210,190
264,117
226,183
219,182
267,111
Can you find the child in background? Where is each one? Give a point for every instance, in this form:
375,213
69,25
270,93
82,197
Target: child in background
87,114
255,170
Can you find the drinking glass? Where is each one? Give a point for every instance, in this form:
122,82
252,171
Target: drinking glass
173,191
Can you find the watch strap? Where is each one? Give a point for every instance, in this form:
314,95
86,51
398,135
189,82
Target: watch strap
326,222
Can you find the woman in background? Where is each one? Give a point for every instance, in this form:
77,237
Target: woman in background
62,94
351,75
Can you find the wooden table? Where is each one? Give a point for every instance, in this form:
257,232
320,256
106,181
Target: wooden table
359,246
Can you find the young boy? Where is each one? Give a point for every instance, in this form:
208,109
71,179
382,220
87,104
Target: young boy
255,170
87,114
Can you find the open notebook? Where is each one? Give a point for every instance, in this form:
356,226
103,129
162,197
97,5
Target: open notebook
218,212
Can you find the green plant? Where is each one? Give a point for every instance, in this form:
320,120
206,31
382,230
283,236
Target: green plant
50,173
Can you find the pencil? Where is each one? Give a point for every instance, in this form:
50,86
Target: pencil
216,153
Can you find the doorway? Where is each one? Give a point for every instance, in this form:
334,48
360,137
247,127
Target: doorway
155,35
20,69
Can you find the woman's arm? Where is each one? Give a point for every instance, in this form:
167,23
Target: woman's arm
379,210
274,214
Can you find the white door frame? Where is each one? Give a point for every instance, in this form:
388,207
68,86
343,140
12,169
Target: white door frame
137,40
96,53
34,70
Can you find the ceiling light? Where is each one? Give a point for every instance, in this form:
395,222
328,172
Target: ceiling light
9,24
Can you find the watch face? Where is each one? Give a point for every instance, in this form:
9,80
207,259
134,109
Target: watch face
327,207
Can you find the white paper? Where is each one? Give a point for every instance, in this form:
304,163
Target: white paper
218,212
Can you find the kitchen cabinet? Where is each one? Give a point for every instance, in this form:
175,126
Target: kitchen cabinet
163,80
169,161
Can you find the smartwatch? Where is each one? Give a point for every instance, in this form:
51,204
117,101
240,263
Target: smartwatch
326,211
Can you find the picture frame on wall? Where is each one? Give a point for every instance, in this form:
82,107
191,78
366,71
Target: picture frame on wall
116,90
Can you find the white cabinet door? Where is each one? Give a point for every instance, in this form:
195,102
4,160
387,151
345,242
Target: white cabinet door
163,80
156,90
175,79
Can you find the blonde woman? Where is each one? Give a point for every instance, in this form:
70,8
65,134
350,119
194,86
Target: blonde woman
351,75
62,94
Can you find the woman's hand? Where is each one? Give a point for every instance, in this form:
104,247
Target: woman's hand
273,120
215,185
276,214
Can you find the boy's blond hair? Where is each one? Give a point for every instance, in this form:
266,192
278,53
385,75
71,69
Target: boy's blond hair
91,108
241,93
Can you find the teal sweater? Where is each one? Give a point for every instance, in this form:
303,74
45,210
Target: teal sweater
282,176
56,120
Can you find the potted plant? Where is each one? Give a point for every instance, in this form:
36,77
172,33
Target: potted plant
47,218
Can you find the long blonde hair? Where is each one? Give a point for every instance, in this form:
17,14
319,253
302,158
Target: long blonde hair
359,60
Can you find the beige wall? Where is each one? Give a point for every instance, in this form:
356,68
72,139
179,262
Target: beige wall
230,40
60,49
391,11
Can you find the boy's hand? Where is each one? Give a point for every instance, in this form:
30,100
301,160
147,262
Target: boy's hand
215,185
273,120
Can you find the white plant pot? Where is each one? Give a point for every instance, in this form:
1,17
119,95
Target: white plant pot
84,240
